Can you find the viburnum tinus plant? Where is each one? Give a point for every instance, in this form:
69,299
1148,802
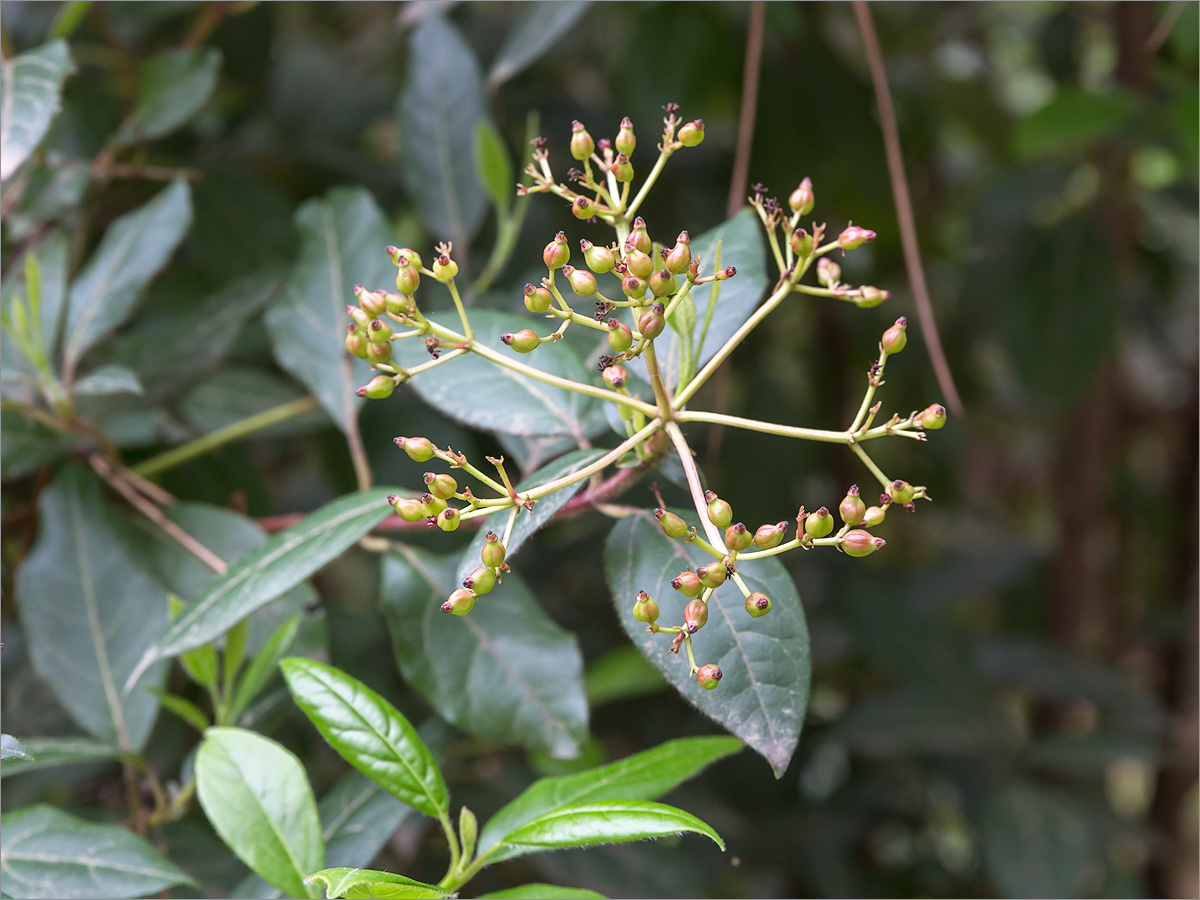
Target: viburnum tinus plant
658,286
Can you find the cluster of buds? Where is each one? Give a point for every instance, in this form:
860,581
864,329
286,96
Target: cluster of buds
481,580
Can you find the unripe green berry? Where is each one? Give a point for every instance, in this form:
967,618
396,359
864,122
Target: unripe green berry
460,603
408,279
583,282
720,513
356,343
598,259
448,519
583,207
419,449
379,353
708,677
638,263
679,258
557,252
860,543
379,331
615,376
373,303
537,299
768,537
400,304
493,552
802,198
852,509
433,505
873,516
620,337
481,581
829,273
672,526
901,491
691,134
802,242
695,616
758,604
360,317
444,269
622,169
625,140
818,524
582,145
869,297
738,537
645,609
662,283
442,486
633,287
896,337
713,575
408,509
403,256
639,236
378,388
852,236
523,341
931,418
651,323
687,583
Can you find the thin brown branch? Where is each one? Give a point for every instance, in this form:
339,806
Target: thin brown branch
904,211
1162,30
209,19
749,108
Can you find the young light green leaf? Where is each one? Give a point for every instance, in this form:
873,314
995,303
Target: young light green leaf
258,799
89,612
764,692
644,776
528,523
47,853
342,237
11,748
539,28
174,85
51,255
484,395
369,733
185,709
276,566
262,667
46,752
539,891
30,88
505,672
493,165
438,108
132,251
683,323
369,883
608,822
109,379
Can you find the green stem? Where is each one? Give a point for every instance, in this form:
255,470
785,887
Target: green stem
705,546
693,480
222,436
462,312
632,209
599,465
872,386
793,431
455,854
870,464
656,383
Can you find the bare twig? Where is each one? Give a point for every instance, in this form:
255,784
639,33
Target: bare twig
1162,30
904,212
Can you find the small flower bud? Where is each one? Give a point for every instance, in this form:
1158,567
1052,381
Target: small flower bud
720,513
408,509
638,263
861,543
622,169
873,516
557,252
829,273
852,509
620,336
633,287
444,268
895,338
481,580
852,236
379,331
537,299
738,537
725,274
640,236
708,677
662,283
399,304
356,344
582,145
713,575
695,615
583,207
583,282
672,526
687,583
768,537
448,519
460,603
523,341
758,604
869,297
901,491
492,553
408,279
818,524
802,198
403,256
433,505
651,323
802,243
419,449
599,259
378,388
931,418
441,486
645,609
615,376
360,317
692,133
372,302
379,353
679,257
625,140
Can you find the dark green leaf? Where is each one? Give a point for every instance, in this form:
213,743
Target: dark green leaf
133,250
342,241
505,671
1071,121
539,891
369,733
439,107
11,748
59,752
30,86
609,822
258,799
368,883
488,396
174,85
540,27
109,379
620,674
764,693
644,776
48,853
89,612
493,164
28,445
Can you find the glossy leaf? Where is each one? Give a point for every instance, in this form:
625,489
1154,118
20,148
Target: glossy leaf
479,393
278,565
505,671
134,248
369,883
369,733
257,797
609,822
174,86
90,611
528,523
11,748
30,89
342,238
438,109
643,776
540,27
108,380
48,752
47,853
764,693
539,891
494,165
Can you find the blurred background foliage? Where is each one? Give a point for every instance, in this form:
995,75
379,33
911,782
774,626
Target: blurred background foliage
1005,701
